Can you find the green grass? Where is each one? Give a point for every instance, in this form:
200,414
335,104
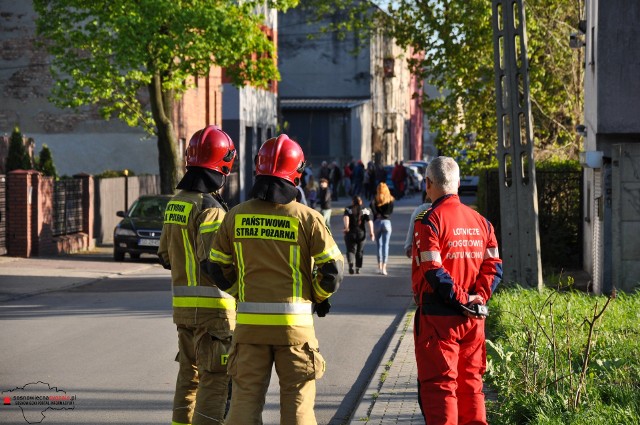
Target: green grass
563,357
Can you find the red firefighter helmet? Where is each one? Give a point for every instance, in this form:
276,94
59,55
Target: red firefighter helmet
281,157
211,148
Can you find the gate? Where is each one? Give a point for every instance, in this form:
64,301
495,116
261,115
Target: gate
559,214
3,215
67,207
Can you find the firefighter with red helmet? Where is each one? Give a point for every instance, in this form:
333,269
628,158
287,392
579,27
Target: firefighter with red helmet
286,265
204,315
455,268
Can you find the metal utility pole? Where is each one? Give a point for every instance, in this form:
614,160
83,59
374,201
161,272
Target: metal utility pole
518,195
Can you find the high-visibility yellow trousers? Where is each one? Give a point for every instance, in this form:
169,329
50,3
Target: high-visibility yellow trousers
202,383
297,366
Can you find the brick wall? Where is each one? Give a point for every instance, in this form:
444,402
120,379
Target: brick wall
30,217
42,215
19,213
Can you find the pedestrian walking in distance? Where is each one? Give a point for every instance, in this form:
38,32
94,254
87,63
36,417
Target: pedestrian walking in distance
382,208
280,260
324,201
455,268
204,315
408,242
356,220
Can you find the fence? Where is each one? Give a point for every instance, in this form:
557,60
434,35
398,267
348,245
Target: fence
3,216
117,194
67,207
559,214
46,217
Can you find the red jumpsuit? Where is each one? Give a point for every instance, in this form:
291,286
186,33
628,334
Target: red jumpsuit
455,254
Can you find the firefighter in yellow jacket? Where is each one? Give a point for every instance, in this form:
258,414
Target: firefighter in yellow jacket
204,315
286,265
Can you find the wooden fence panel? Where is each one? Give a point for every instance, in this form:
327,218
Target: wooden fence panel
110,198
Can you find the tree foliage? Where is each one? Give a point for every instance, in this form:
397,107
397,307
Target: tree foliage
107,53
456,38
18,156
45,162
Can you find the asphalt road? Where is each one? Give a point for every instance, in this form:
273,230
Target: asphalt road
111,343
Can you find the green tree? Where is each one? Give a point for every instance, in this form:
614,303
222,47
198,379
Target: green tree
45,162
456,41
17,157
108,53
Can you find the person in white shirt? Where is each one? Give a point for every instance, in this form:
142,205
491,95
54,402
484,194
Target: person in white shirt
409,239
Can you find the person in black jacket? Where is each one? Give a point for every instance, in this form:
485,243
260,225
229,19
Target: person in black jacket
335,179
324,200
355,219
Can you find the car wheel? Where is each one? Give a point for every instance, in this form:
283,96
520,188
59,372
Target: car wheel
134,256
118,255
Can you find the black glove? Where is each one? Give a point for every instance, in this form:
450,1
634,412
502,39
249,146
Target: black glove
205,268
321,309
163,264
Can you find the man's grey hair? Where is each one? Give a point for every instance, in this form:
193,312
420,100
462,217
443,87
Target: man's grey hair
444,173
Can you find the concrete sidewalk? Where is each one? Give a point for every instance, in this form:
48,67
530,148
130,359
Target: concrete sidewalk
24,277
392,395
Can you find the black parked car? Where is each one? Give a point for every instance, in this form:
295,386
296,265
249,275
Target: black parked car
139,230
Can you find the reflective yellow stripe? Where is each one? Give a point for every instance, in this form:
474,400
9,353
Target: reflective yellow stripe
240,267
210,226
233,291
328,255
203,302
189,262
294,263
318,289
220,257
275,319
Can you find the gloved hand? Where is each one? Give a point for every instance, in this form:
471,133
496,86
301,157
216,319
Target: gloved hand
163,264
321,309
206,267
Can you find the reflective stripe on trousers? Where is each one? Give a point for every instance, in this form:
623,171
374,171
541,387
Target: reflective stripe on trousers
202,296
278,314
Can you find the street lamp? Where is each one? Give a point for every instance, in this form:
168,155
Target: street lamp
126,190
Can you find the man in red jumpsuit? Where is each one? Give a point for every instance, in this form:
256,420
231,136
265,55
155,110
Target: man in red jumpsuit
455,264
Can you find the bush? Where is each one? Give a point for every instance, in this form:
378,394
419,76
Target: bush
17,157
45,162
563,357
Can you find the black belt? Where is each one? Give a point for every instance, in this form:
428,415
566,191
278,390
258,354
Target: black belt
433,306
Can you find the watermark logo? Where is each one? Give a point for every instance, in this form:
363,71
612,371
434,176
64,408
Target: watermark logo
35,398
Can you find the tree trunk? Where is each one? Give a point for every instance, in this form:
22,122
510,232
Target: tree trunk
161,109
